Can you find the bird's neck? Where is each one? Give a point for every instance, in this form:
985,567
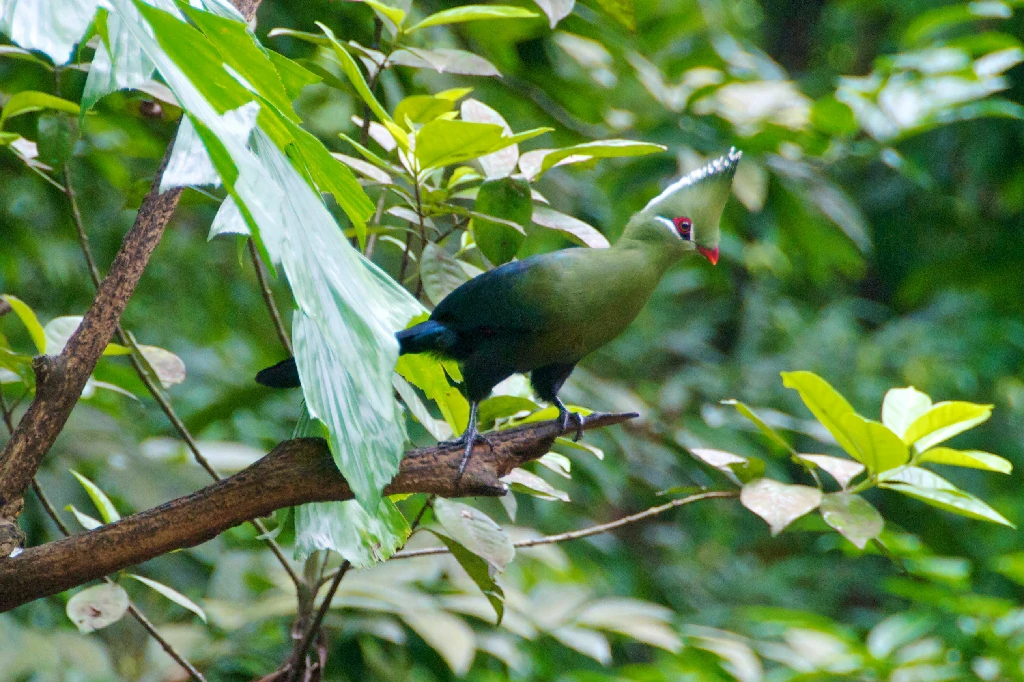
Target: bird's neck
657,256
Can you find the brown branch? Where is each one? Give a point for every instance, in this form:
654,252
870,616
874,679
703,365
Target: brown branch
295,472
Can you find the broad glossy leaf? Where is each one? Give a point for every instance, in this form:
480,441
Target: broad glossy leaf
825,403
440,273
877,448
932,489
29,319
521,480
853,517
99,498
97,606
344,527
573,228
943,421
842,470
779,504
444,60
556,10
480,570
510,200
465,13
902,406
172,594
421,109
501,163
972,459
475,531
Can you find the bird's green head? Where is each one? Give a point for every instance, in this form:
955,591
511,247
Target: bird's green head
685,217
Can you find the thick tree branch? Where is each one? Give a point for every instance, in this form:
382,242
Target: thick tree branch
295,472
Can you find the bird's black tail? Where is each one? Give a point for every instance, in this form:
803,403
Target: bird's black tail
282,375
426,337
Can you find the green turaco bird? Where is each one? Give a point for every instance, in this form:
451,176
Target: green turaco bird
545,313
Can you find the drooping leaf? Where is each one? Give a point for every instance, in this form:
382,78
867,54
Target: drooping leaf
972,459
97,606
876,447
768,431
739,469
88,522
779,504
99,498
842,470
472,13
902,406
440,272
943,421
573,228
475,531
585,641
932,489
509,199
172,594
853,517
168,367
481,571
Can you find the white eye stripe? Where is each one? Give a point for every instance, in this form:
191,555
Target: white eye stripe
669,225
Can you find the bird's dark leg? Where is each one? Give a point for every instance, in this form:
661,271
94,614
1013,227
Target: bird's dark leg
546,382
470,437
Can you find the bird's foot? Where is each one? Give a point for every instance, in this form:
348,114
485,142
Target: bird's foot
469,442
567,416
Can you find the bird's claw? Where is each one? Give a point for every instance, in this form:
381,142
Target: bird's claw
468,443
568,416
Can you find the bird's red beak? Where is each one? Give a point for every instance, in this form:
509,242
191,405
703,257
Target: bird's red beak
710,254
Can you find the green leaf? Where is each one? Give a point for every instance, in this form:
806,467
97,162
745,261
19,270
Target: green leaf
501,163
943,421
443,143
537,162
902,406
480,571
421,109
97,606
739,469
556,10
345,527
853,517
441,273
973,459
833,117
768,431
876,447
458,15
172,594
87,522
573,228
393,14
58,134
475,531
623,11
842,470
523,481
444,60
932,489
428,374
28,101
508,199
99,498
503,406
777,503
293,75
29,319
825,403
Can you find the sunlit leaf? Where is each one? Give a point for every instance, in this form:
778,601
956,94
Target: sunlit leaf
29,319
932,489
902,406
475,531
97,606
779,504
876,447
825,403
853,517
99,498
88,522
943,421
972,459
172,594
395,15
472,13
537,162
556,10
501,163
421,109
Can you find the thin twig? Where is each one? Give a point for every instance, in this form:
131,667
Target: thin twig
140,368
268,297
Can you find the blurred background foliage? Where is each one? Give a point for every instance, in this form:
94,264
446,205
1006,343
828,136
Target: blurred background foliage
875,239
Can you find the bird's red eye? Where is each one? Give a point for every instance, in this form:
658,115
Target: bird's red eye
684,226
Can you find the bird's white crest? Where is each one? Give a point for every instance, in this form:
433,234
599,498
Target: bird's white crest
719,165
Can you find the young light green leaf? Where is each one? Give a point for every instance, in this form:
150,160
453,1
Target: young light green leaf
503,406
27,101
972,459
843,470
393,14
421,109
902,406
779,504
172,594
501,163
97,606
99,498
825,403
88,522
876,447
475,531
480,570
521,480
440,273
535,163
768,431
29,319
853,517
573,228
943,421
557,463
444,60
932,489
465,13
438,428
579,446
428,374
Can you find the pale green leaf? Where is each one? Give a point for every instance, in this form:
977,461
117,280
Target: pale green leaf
444,143
444,60
842,470
779,504
825,403
573,228
29,319
521,480
972,459
943,421
585,641
87,522
393,14
876,447
480,570
537,162
99,498
473,13
440,273
421,109
853,517
768,431
172,594
902,406
97,606
643,621
501,163
556,10
344,527
168,367
932,489
446,634
475,531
